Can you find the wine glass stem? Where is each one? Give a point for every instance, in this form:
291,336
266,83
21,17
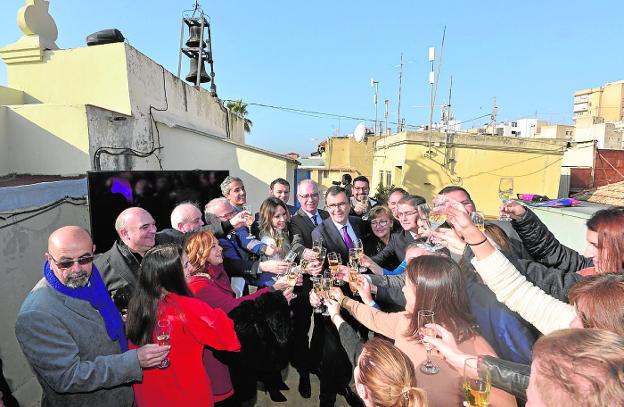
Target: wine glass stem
429,357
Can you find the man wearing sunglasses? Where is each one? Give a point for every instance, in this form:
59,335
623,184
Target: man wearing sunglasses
73,336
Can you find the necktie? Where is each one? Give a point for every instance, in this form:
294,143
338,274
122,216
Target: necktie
347,239
314,220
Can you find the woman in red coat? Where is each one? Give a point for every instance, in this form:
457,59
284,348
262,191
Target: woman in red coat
162,295
209,282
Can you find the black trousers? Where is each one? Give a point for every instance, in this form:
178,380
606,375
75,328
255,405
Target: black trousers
301,320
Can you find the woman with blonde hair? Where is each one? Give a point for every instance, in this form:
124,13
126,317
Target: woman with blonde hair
385,377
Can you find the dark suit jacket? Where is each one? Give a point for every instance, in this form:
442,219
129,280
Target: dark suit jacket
394,253
119,268
302,225
332,239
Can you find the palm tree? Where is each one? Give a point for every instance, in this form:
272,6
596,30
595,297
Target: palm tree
240,108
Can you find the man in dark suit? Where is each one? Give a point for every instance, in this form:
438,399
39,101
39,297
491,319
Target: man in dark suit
361,191
302,223
280,189
339,233
394,253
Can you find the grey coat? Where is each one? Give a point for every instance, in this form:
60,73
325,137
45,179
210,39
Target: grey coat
76,362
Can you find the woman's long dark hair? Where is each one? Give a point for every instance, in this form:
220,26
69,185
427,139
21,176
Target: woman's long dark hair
267,211
161,270
439,287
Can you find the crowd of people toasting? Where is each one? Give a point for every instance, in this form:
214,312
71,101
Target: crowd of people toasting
411,303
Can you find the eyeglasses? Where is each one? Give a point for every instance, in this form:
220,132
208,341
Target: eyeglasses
337,205
308,196
403,214
381,223
227,215
65,264
361,188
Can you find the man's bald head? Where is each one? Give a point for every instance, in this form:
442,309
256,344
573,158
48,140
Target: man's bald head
186,217
65,245
137,229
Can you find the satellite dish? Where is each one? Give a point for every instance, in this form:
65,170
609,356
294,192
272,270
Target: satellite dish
359,133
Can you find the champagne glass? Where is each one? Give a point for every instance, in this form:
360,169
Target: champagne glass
477,383
424,212
321,253
354,276
317,245
291,279
279,240
478,218
249,219
359,248
163,336
317,286
426,317
364,203
290,257
505,193
354,257
327,282
334,261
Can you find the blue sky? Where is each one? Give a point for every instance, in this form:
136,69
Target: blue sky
320,55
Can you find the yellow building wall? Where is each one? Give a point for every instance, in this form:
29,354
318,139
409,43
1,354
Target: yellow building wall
10,96
45,139
65,75
611,103
477,169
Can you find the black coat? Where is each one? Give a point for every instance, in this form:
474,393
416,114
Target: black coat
560,262
332,239
263,329
302,225
394,253
119,268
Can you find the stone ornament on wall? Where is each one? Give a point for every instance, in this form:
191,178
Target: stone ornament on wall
40,34
34,19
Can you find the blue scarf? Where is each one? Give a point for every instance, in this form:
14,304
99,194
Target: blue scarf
95,292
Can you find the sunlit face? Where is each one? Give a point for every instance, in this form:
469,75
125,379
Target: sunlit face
381,226
237,195
308,197
139,234
281,192
592,250
408,217
224,211
216,255
463,199
393,203
533,396
191,220
279,219
338,207
409,291
360,188
76,275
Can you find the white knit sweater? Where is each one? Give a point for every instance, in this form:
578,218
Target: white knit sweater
540,309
